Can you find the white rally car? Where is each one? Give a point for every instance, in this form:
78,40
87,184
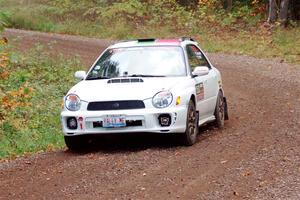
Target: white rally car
145,85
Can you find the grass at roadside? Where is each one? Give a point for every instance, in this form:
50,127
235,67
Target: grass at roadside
132,21
31,89
283,44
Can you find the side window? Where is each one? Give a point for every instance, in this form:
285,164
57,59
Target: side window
195,57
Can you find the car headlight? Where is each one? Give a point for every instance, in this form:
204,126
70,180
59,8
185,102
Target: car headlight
162,99
72,102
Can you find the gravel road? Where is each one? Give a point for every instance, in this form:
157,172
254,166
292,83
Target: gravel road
256,155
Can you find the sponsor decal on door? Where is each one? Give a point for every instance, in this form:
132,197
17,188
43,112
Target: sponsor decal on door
200,91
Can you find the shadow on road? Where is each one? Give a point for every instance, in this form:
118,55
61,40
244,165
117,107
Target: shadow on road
134,142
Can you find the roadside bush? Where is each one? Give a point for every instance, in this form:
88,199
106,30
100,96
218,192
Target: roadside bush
137,15
31,89
244,15
131,18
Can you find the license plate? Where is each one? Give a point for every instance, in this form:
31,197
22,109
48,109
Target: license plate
114,121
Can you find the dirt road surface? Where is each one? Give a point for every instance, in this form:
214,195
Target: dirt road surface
256,155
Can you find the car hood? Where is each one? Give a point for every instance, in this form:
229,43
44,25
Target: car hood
102,90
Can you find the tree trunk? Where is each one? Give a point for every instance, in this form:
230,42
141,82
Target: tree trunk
228,5
272,17
297,10
294,11
284,12
188,3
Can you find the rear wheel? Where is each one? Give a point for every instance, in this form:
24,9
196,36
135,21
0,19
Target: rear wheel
76,142
220,111
190,135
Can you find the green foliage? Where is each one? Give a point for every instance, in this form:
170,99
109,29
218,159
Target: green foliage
121,19
288,43
1,26
134,14
31,101
4,16
27,20
130,18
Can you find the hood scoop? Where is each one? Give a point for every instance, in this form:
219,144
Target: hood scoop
126,80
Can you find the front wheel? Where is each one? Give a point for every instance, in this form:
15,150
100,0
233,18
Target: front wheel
190,135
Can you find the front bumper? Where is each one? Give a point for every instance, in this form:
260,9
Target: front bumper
147,117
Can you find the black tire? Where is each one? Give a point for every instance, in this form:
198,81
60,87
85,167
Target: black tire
220,111
191,132
76,143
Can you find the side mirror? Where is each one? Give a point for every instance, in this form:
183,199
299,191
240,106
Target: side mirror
80,75
200,71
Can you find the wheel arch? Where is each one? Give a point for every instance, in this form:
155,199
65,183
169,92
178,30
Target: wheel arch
222,90
226,105
193,98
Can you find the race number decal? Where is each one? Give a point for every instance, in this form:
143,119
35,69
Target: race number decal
200,91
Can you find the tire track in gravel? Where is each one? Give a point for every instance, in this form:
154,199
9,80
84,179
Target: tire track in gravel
256,155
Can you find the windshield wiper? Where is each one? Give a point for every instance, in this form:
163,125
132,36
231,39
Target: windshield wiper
97,77
144,75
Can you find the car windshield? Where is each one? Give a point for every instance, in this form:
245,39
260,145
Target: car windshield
139,62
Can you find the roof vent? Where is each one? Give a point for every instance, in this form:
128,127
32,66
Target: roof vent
139,40
186,38
146,40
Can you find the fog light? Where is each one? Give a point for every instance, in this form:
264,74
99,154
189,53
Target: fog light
164,120
72,123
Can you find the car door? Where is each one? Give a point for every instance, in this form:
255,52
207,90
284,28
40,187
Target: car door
204,85
213,87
